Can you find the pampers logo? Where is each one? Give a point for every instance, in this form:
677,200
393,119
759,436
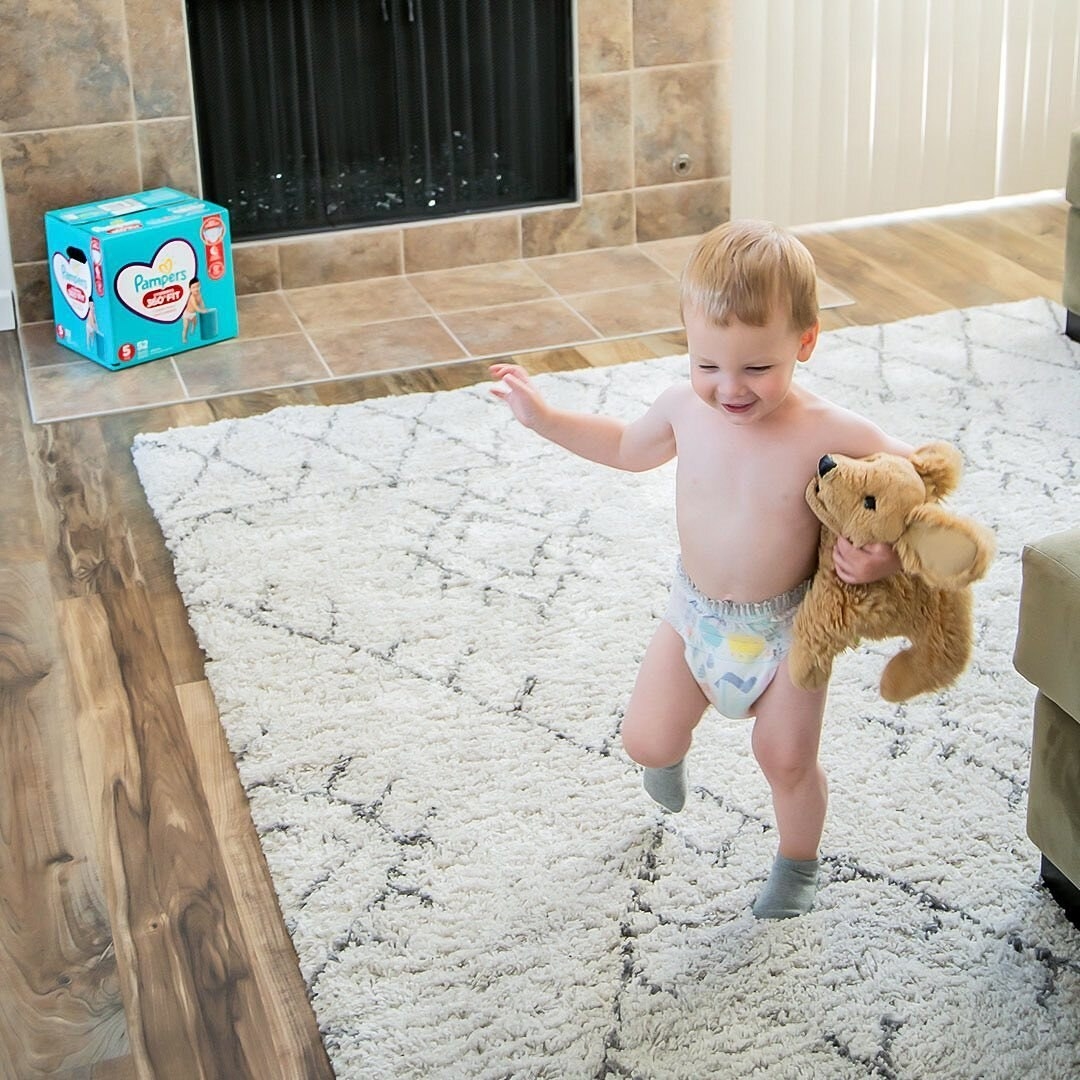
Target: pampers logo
158,290
72,274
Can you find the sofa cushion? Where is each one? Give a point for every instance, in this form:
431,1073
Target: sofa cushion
1048,640
1053,814
1070,286
1072,178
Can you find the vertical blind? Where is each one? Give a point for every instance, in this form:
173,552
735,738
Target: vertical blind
842,108
316,114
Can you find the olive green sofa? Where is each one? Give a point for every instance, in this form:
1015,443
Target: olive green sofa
1048,654
1071,289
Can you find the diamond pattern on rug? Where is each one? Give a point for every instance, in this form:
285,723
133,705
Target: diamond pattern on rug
422,623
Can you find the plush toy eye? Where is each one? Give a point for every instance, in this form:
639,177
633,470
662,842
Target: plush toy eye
870,502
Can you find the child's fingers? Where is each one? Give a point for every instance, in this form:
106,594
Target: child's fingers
501,371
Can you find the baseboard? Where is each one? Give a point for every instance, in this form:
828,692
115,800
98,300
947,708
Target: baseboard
7,309
1072,324
1062,890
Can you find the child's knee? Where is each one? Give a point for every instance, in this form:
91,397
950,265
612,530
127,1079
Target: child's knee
784,764
651,745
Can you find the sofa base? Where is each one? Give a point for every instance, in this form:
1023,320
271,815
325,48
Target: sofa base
1072,324
1062,890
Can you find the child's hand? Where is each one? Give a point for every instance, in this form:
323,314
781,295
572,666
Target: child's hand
863,565
514,387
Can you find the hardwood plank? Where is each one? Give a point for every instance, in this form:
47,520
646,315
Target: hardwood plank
122,1068
60,1005
297,1046
260,401
192,1008
1041,254
882,292
963,274
21,536
87,543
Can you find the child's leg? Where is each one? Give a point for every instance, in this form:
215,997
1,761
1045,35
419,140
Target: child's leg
786,738
663,711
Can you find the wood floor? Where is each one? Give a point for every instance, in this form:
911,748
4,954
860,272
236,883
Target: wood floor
139,934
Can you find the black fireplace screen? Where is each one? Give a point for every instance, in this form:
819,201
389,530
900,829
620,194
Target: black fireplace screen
322,114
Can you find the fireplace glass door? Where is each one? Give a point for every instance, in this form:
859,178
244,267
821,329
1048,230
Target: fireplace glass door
323,114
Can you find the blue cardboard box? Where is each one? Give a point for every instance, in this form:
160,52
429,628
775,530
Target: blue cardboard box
141,277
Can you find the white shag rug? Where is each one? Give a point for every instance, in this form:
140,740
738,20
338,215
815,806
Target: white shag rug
422,622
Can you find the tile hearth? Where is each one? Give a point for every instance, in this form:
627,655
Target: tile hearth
302,336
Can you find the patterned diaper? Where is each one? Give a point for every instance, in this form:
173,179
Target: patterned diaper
733,650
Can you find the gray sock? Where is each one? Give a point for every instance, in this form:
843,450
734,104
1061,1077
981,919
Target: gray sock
668,785
790,889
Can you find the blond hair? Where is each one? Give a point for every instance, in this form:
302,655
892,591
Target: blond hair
746,271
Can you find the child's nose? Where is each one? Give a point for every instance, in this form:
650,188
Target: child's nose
730,384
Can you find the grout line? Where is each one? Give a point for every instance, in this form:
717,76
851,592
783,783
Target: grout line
307,337
453,337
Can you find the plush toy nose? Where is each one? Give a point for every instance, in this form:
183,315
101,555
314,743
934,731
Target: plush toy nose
825,465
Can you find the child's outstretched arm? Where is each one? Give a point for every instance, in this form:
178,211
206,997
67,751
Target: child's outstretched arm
643,444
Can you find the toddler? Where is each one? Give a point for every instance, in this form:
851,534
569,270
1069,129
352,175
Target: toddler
748,438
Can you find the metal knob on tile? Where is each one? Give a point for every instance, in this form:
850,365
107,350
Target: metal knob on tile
681,164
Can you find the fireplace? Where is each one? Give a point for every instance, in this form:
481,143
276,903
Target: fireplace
321,114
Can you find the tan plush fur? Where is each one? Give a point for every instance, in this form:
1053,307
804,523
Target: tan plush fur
893,499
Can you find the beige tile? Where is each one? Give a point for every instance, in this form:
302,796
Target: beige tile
351,255
265,315
671,254
256,267
640,309
607,133
40,348
681,209
167,154
601,221
589,271
680,32
388,346
679,110
86,389
518,328
464,242
38,176
157,47
480,286
829,296
357,302
240,365
605,36
63,66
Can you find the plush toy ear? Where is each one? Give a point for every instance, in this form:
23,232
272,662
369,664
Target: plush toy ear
945,550
939,465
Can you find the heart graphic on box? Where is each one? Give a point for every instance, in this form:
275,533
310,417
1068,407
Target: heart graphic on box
73,276
158,290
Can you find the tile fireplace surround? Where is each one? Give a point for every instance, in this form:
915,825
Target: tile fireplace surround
104,108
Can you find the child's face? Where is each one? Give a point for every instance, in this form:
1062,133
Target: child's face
744,372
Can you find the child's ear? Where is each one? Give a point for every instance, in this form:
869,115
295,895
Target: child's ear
807,342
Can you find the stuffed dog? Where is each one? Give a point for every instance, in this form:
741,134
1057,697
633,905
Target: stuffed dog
893,499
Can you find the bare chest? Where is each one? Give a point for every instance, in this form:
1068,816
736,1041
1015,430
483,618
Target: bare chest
743,471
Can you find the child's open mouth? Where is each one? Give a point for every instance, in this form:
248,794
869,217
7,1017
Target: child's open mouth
737,408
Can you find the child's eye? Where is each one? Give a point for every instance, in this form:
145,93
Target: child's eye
758,370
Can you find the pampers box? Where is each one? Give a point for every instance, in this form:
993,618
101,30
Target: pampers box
141,277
